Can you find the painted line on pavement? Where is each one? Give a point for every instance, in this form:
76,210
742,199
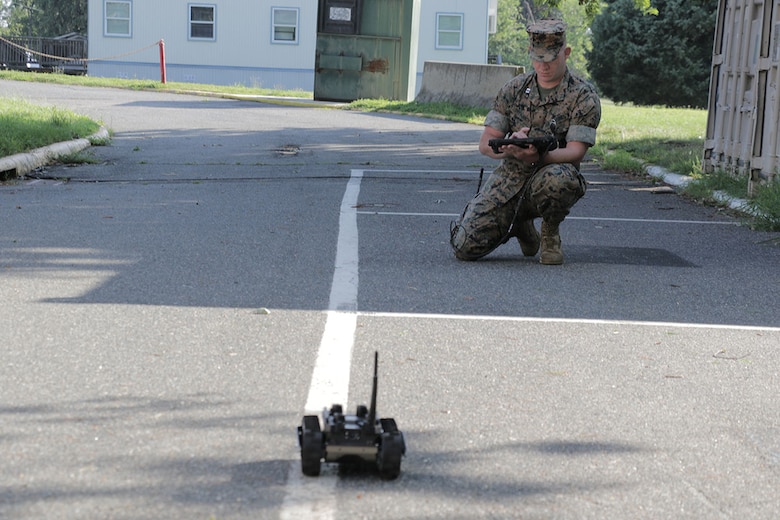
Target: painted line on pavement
314,498
576,321
611,219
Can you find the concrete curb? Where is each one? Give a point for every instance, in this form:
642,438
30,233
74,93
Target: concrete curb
286,101
273,100
23,163
676,180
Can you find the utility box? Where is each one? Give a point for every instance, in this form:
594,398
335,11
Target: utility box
366,49
744,106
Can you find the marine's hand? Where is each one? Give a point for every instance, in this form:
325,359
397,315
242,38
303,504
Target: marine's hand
528,154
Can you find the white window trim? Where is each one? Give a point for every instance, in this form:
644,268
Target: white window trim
190,21
296,41
129,20
458,47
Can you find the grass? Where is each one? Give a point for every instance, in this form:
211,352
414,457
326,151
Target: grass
702,186
764,205
629,137
78,158
672,138
27,126
439,110
147,84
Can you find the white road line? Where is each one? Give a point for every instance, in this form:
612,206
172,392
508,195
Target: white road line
402,214
611,219
658,221
330,379
528,319
431,172
314,498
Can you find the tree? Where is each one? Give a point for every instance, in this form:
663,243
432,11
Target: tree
510,41
5,7
577,36
654,60
511,38
46,17
592,8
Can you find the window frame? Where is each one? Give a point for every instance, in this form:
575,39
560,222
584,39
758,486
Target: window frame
439,32
275,25
213,23
129,19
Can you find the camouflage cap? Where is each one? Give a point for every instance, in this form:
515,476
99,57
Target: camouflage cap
547,38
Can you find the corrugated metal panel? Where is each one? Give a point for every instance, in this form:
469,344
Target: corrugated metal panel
744,110
378,62
341,63
355,67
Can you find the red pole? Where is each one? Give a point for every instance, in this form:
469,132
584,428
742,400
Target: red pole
162,62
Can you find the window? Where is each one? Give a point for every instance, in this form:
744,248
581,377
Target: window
449,31
117,17
285,25
202,22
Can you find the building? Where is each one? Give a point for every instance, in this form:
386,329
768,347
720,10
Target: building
274,43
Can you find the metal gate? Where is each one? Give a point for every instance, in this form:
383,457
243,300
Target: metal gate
66,53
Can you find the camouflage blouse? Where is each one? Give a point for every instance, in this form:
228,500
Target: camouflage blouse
574,106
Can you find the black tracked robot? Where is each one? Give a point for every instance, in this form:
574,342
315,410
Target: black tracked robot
350,438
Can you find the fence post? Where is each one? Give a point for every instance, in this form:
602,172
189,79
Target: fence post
163,77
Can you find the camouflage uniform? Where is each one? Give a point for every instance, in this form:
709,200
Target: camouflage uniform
515,193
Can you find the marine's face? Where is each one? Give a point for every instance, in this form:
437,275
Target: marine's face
550,73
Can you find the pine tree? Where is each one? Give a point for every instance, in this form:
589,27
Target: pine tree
654,60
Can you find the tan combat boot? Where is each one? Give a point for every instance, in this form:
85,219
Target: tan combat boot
551,245
528,237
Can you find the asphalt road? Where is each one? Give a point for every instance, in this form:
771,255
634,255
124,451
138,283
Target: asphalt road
172,310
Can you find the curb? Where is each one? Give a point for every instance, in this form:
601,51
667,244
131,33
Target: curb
272,100
22,163
680,181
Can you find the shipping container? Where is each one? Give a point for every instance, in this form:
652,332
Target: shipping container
744,109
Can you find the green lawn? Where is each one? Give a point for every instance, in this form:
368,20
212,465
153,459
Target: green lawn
27,126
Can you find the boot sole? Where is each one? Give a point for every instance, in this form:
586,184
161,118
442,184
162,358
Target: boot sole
551,261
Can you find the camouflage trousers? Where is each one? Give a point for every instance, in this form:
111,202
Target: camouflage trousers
506,200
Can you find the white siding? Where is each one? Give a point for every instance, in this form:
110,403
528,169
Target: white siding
475,23
241,52
475,35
